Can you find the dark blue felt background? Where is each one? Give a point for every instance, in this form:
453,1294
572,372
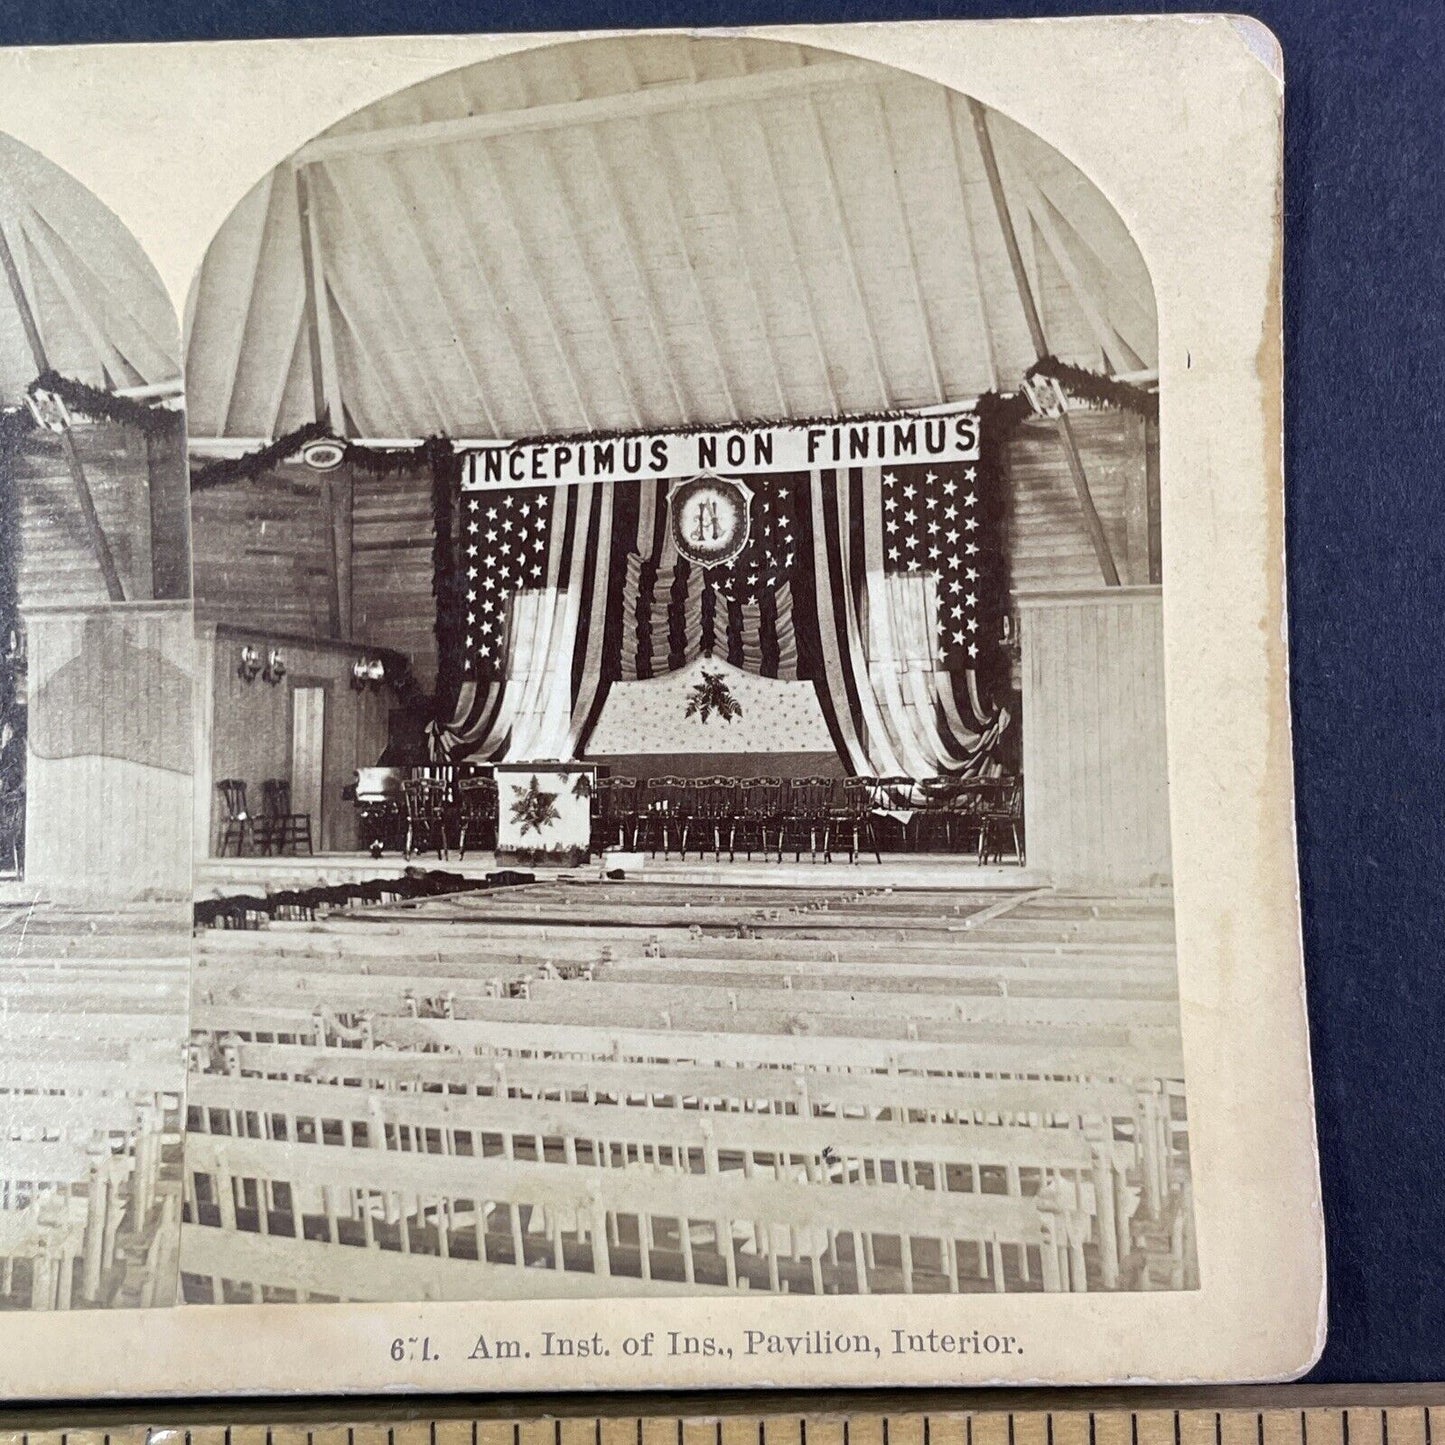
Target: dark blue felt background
1365,253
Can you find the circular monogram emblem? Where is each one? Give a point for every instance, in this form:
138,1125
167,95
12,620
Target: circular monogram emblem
709,519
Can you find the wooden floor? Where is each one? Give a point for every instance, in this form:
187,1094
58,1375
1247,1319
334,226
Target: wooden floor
216,876
92,1072
682,1086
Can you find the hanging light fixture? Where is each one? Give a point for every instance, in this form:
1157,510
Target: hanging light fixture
368,672
275,668
249,665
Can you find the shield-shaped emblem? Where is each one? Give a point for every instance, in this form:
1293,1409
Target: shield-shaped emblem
710,519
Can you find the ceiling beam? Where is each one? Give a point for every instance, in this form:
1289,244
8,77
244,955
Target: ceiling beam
929,347
523,253
656,100
440,180
572,231
750,279
790,231
320,338
1044,215
113,365
120,298
970,238
99,543
421,242
1092,524
671,188
252,273
383,287
850,254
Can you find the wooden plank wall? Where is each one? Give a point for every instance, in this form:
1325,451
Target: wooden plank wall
263,559
109,765
392,568
263,547
1050,548
1097,793
57,566
262,552
250,726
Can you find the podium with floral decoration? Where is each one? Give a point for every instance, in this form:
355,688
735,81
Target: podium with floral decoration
544,813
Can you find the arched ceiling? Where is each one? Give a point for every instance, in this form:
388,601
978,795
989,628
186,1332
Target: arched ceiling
652,231
101,311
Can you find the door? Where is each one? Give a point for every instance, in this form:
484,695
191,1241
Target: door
308,756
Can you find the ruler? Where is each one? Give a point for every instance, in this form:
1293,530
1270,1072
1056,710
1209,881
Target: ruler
1264,1415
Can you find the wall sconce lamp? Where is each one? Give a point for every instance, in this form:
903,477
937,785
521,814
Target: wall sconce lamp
275,668
249,665
368,672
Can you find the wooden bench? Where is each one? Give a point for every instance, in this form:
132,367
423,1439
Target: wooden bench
662,1218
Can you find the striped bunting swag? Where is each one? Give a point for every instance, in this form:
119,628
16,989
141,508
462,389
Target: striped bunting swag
674,612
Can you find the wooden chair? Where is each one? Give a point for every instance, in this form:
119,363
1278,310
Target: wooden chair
681,801
237,826
850,818
805,815
477,813
969,801
614,814
759,818
278,828
893,796
426,815
934,820
714,812
1001,818
650,833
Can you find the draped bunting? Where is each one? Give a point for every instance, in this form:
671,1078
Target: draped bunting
616,602
674,612
543,700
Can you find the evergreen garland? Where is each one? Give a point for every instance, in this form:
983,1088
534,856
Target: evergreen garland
446,471
1096,388
252,464
101,405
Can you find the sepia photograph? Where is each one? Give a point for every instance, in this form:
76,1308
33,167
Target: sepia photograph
95,749
681,792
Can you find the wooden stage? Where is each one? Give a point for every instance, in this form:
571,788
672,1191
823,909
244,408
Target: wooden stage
901,870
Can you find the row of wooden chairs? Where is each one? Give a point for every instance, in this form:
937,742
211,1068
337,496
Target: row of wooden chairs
436,813
816,814
275,829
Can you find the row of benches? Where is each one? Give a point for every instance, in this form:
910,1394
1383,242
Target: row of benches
92,1028
596,1089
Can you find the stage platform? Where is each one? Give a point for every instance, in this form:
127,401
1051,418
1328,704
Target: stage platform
223,876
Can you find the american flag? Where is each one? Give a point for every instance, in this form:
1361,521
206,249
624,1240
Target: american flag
505,552
767,559
936,521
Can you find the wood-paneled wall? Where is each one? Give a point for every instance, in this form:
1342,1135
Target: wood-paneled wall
245,727
1096,769
108,813
57,566
1050,548
263,553
392,568
263,550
